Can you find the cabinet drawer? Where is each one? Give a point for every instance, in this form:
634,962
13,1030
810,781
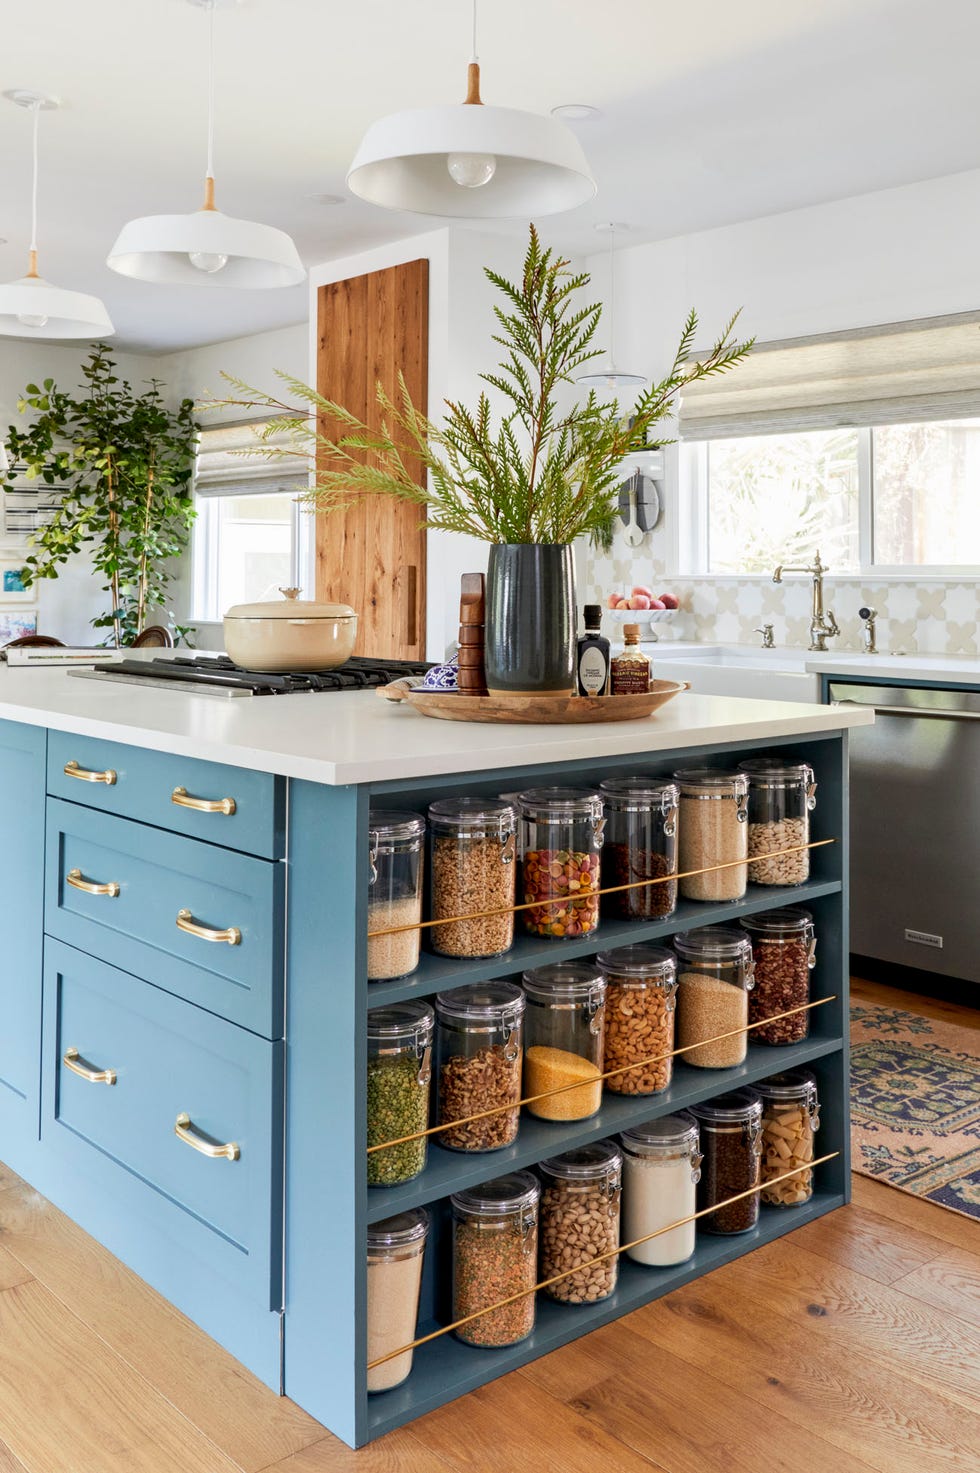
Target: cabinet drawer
168,1061
155,787
118,889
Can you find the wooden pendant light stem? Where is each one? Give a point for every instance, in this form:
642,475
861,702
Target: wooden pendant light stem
209,193
32,264
473,83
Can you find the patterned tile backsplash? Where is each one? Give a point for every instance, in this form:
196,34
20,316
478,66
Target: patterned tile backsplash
915,618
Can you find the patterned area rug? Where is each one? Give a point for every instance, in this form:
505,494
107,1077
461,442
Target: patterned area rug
915,1105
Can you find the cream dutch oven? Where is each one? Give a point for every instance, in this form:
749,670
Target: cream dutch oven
297,634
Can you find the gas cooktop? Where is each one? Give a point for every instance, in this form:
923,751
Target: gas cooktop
217,675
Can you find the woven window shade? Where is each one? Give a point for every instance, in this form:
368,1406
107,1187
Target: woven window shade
222,471
901,373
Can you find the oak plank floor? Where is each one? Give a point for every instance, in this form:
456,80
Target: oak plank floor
846,1347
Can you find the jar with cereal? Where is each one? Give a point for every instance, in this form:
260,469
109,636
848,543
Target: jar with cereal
784,946
714,981
478,1064
731,1145
495,1255
561,841
564,1026
399,1068
580,1222
640,844
790,1119
394,892
713,831
473,849
641,983
782,795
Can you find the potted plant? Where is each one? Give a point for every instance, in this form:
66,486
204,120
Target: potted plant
119,464
529,478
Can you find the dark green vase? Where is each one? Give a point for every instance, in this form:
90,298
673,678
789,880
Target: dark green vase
530,619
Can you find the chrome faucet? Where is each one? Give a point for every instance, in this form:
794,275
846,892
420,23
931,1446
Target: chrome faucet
821,629
869,616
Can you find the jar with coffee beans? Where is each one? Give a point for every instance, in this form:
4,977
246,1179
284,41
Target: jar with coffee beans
784,950
731,1148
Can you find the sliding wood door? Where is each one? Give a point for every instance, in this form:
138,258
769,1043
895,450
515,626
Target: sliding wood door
373,556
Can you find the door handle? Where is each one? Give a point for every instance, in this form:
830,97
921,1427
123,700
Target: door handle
928,713
186,1131
91,887
183,799
412,604
72,1060
86,775
190,927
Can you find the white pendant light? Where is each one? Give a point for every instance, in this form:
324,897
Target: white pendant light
611,377
206,248
32,307
470,161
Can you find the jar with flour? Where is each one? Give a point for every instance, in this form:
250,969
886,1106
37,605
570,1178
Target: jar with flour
661,1169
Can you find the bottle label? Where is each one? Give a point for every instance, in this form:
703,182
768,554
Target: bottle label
630,677
592,673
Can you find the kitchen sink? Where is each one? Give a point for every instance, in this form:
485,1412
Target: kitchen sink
774,675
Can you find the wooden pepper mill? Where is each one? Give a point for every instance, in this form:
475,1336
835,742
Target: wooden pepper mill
472,677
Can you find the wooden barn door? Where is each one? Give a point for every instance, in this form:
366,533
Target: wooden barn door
373,556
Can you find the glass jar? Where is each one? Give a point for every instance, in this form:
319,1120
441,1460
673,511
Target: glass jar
580,1222
399,1068
641,987
640,844
472,848
714,980
564,1026
395,1250
394,892
661,1170
731,1146
478,1059
790,1119
782,795
712,829
495,1255
561,840
784,947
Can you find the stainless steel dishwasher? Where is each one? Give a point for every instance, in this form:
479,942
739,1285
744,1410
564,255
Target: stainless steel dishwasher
915,827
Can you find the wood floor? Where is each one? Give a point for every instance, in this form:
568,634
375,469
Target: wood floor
852,1345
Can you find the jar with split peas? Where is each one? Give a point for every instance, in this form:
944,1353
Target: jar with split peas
731,1147
399,1068
561,843
784,951
782,795
495,1256
641,985
640,844
580,1222
790,1119
563,1040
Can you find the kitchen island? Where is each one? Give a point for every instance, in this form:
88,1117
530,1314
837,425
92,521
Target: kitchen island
193,1093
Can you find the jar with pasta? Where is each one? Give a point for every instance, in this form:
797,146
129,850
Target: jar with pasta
714,978
580,1222
731,1147
712,833
472,846
495,1257
784,947
640,848
782,795
790,1119
641,986
478,1065
561,842
394,893
563,1035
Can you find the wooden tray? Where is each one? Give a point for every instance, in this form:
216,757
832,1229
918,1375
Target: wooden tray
536,710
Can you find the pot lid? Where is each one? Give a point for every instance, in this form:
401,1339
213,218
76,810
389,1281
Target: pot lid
292,607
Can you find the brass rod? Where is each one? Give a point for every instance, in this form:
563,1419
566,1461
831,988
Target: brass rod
600,1258
598,1079
480,915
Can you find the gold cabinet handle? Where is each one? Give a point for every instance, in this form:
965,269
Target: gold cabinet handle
183,799
73,1061
74,879
186,1131
85,774
187,923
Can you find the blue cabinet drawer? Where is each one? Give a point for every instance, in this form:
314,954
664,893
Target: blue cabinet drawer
205,800
203,922
175,1072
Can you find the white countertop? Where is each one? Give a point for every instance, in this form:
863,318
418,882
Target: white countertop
354,736
961,669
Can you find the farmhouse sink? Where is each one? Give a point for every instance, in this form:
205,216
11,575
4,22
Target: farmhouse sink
774,675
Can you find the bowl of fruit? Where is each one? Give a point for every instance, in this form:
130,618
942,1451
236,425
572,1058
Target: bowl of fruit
642,606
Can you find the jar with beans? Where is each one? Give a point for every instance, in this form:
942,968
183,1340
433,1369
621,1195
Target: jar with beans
473,848
580,1222
782,795
784,946
395,1250
661,1170
394,892
715,977
561,841
640,845
641,983
564,1027
712,830
478,1064
731,1143
399,1068
495,1255
790,1119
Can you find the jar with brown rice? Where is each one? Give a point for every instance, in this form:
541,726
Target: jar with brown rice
712,831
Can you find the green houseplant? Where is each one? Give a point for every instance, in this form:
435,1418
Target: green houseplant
120,464
529,477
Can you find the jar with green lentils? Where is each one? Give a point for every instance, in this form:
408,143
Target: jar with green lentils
399,1068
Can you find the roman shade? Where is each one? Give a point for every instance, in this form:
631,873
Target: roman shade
898,373
222,469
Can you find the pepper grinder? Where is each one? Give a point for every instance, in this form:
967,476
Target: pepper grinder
471,676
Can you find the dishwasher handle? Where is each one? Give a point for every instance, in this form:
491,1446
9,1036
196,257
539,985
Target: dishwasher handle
930,713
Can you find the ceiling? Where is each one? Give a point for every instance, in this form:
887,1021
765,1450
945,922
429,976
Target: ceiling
710,113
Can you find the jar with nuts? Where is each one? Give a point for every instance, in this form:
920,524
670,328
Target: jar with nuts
564,1027
661,1170
495,1256
731,1145
399,1067
640,845
472,852
782,795
580,1222
641,983
714,981
478,1065
784,946
561,841
790,1118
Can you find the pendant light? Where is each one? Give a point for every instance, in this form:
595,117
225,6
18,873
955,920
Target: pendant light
611,377
469,161
32,307
206,248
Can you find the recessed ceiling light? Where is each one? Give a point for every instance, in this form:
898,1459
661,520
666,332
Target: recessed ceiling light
576,112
